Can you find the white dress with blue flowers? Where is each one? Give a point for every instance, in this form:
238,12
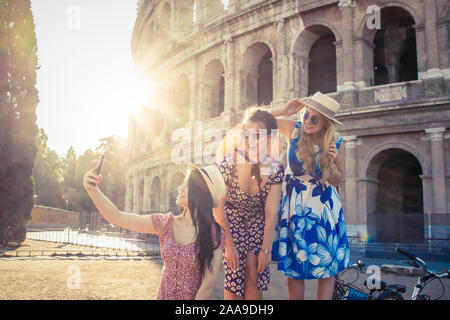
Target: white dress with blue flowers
310,234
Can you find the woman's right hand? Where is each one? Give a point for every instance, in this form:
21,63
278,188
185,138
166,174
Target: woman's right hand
231,256
292,107
91,177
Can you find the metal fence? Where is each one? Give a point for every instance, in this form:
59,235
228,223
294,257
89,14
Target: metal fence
89,240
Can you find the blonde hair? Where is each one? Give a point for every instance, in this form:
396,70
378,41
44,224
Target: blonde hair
306,150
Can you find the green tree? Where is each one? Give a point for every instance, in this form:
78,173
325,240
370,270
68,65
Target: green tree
18,101
113,169
47,174
70,186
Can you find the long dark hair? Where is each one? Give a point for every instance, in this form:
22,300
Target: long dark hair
200,207
270,124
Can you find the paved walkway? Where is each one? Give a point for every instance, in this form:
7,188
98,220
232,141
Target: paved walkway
277,288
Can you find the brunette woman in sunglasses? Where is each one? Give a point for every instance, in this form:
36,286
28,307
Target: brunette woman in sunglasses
248,211
310,234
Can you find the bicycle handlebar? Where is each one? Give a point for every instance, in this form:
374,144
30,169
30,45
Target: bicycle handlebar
406,254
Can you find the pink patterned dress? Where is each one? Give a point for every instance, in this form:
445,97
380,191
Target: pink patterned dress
180,279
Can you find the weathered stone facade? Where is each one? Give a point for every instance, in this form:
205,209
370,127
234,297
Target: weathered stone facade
393,83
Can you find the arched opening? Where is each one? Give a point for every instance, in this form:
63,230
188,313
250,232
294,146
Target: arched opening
213,88
257,75
314,61
397,213
395,52
265,80
155,195
180,101
322,62
177,180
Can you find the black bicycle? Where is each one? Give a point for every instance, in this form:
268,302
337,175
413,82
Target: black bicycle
347,290
422,281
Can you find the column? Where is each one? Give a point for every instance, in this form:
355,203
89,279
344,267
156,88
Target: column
436,136
230,73
347,41
351,213
146,200
431,34
135,203
280,66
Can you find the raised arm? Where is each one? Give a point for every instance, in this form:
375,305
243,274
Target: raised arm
285,126
110,212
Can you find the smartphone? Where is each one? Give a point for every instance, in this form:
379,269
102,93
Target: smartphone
99,164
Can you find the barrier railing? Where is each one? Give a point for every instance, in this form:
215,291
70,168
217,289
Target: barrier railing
89,240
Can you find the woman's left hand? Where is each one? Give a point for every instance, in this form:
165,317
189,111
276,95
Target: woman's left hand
332,151
263,261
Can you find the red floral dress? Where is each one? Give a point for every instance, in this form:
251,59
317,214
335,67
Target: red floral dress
180,279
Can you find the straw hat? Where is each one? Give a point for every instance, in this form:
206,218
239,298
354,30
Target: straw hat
214,180
323,104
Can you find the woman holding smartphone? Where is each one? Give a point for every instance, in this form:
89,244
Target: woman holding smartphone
310,238
191,244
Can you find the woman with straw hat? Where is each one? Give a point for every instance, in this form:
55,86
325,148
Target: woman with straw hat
310,235
191,244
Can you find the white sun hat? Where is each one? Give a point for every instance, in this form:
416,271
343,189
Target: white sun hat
214,180
323,104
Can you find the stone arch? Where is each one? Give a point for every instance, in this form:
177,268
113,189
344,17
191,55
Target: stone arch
315,62
213,89
361,26
390,145
395,197
296,45
389,54
257,75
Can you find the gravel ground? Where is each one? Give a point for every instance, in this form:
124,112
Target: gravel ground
138,279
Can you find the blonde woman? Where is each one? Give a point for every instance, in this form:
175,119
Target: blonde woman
310,235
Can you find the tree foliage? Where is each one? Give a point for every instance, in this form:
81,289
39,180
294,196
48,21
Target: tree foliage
18,101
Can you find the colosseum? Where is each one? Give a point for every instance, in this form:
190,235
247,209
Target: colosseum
386,62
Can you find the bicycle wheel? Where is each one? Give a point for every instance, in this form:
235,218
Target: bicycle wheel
390,295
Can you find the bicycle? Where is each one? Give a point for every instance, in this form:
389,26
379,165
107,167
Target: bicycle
422,281
346,290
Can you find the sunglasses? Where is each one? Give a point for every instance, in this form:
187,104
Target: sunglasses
314,119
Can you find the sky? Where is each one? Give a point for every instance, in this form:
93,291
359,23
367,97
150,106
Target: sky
86,70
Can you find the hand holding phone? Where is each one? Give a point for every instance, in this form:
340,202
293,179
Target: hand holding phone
99,166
